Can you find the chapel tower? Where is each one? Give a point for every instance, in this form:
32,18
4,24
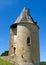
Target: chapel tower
24,39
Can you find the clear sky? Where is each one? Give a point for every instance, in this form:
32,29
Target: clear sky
10,10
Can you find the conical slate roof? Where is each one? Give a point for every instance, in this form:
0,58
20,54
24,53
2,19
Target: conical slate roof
24,17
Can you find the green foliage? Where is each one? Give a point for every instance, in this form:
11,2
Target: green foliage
4,62
4,53
42,63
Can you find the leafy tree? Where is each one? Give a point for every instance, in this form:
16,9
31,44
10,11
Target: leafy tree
42,63
4,53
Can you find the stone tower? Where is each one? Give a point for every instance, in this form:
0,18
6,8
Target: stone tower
24,39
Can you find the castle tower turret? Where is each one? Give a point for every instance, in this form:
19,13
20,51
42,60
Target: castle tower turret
24,40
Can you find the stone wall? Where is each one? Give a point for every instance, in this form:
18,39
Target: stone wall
22,48
13,33
24,52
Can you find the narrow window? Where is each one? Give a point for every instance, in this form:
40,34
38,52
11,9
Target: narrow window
22,56
28,41
14,50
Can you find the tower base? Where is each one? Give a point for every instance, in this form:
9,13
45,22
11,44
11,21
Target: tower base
26,63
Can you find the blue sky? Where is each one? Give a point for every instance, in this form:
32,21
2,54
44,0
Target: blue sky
10,10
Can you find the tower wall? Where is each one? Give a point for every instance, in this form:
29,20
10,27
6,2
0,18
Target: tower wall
23,51
35,45
11,51
13,36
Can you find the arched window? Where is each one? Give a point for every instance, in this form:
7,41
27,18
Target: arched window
28,41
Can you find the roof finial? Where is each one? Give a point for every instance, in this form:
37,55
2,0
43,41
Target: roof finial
27,2
24,3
